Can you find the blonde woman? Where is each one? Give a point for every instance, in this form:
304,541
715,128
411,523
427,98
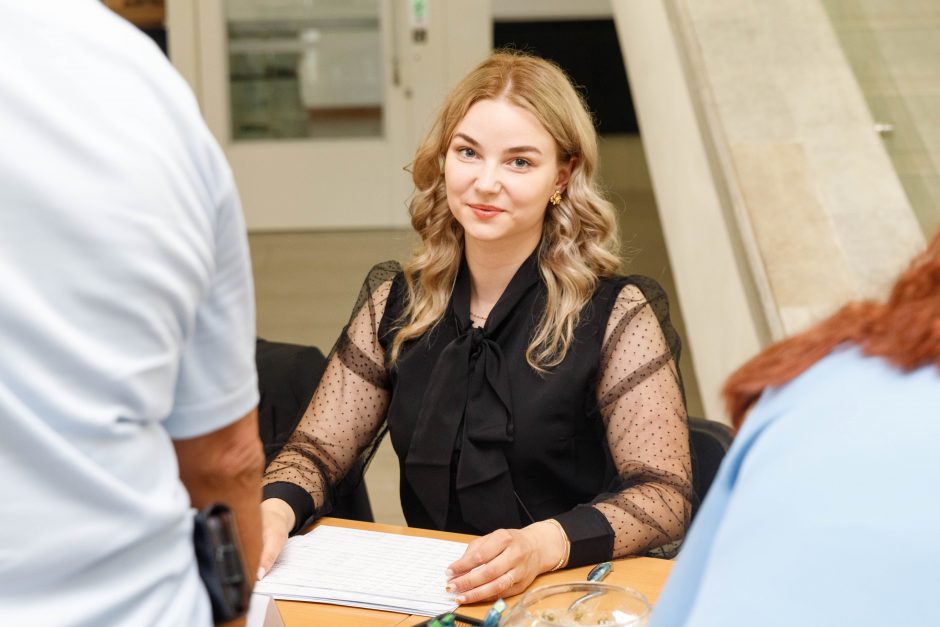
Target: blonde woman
532,394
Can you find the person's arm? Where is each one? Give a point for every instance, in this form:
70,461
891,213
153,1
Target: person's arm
343,420
506,561
641,401
225,466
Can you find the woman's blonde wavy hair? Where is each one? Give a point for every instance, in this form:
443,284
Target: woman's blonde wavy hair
579,236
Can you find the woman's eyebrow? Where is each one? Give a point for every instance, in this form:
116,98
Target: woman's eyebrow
514,149
467,139
524,149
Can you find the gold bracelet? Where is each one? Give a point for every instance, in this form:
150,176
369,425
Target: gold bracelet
564,537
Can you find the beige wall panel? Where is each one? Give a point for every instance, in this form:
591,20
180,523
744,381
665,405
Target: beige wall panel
778,73
777,197
803,260
721,328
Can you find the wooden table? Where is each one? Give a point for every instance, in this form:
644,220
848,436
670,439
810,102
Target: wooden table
644,574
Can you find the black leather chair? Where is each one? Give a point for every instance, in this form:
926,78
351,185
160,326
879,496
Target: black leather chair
288,375
709,441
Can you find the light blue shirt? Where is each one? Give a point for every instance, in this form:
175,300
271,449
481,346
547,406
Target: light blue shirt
826,510
126,319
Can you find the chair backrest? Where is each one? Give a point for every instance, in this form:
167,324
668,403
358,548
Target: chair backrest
288,375
710,441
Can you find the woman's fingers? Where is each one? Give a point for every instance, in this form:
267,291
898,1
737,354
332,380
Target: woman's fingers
481,575
480,551
494,578
276,523
502,565
505,585
272,542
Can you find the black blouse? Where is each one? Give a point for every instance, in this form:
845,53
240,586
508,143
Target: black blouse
484,441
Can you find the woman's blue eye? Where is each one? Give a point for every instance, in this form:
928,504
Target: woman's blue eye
467,152
519,162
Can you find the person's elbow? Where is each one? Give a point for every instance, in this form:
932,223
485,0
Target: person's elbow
231,458
240,462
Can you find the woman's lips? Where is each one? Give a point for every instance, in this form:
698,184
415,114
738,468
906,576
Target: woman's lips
486,212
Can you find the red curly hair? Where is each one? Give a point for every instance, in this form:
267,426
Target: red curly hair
905,330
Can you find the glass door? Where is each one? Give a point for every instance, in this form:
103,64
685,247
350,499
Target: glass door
309,70
319,104
302,95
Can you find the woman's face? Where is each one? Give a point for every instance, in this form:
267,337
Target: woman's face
500,170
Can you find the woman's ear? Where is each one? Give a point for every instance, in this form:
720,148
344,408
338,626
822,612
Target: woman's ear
564,174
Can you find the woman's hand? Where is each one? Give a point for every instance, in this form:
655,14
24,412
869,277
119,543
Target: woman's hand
277,519
505,562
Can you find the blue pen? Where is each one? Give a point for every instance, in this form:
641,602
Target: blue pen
600,571
597,573
492,617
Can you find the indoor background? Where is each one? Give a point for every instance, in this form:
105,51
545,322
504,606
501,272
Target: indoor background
768,160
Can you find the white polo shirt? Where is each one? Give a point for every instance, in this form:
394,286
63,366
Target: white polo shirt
126,319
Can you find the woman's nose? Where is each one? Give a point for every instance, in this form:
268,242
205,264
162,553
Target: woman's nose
487,180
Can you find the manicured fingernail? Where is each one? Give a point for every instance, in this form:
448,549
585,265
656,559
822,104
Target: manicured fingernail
461,599
261,573
450,587
448,572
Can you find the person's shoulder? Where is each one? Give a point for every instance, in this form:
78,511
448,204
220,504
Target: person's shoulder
875,379
132,56
820,390
388,268
383,280
843,364
124,65
176,131
383,272
632,289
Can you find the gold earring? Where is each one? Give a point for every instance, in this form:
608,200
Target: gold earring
555,198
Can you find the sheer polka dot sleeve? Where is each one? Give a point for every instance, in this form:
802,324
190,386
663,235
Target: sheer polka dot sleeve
345,419
641,400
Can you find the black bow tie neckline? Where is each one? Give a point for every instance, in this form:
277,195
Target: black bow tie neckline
470,386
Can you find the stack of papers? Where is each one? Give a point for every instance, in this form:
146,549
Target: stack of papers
371,569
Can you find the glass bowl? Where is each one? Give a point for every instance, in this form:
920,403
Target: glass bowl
582,604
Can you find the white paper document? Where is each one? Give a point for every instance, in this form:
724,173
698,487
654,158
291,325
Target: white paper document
370,569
